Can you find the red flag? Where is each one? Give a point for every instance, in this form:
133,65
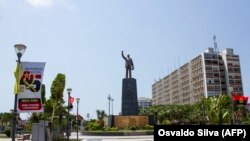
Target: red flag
71,100
239,99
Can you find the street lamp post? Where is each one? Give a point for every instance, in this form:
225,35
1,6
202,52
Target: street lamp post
109,98
88,116
69,91
77,116
112,105
20,49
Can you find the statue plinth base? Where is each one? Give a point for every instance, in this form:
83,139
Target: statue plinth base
129,97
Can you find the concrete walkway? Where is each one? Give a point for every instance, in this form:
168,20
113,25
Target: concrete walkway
104,138
117,138
112,138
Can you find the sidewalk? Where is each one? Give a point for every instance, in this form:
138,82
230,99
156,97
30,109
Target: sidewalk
112,138
115,138
104,138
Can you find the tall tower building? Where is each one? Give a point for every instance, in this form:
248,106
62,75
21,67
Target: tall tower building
210,73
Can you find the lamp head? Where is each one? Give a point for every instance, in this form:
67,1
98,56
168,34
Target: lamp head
109,97
20,49
69,90
78,99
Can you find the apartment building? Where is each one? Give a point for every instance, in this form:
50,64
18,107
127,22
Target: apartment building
210,73
144,102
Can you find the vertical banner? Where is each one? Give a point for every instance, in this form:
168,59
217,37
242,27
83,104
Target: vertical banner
29,97
71,100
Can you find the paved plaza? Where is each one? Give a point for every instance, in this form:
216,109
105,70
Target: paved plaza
117,138
105,138
112,138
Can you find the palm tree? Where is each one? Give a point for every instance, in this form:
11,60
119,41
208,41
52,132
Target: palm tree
217,109
100,116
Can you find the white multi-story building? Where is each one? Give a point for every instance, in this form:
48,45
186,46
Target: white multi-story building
144,102
210,73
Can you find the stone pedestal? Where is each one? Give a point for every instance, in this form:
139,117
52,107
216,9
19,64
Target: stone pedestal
122,122
129,97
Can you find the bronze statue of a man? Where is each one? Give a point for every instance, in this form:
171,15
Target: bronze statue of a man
129,65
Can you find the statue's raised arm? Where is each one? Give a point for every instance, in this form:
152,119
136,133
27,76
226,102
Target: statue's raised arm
129,65
123,56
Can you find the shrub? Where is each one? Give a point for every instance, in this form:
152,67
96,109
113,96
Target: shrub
133,128
107,129
7,132
111,129
114,129
166,122
95,126
149,127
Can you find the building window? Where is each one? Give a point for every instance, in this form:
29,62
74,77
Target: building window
237,70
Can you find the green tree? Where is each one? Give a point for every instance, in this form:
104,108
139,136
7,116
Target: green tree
100,116
211,110
5,118
217,109
57,88
43,92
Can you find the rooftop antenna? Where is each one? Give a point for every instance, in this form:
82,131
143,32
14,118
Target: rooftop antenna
215,45
217,53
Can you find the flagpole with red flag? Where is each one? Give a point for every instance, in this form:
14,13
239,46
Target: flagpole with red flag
238,99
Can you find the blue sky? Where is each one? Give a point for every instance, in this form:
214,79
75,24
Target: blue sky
83,39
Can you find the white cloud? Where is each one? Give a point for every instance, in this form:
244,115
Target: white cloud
40,3
48,3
